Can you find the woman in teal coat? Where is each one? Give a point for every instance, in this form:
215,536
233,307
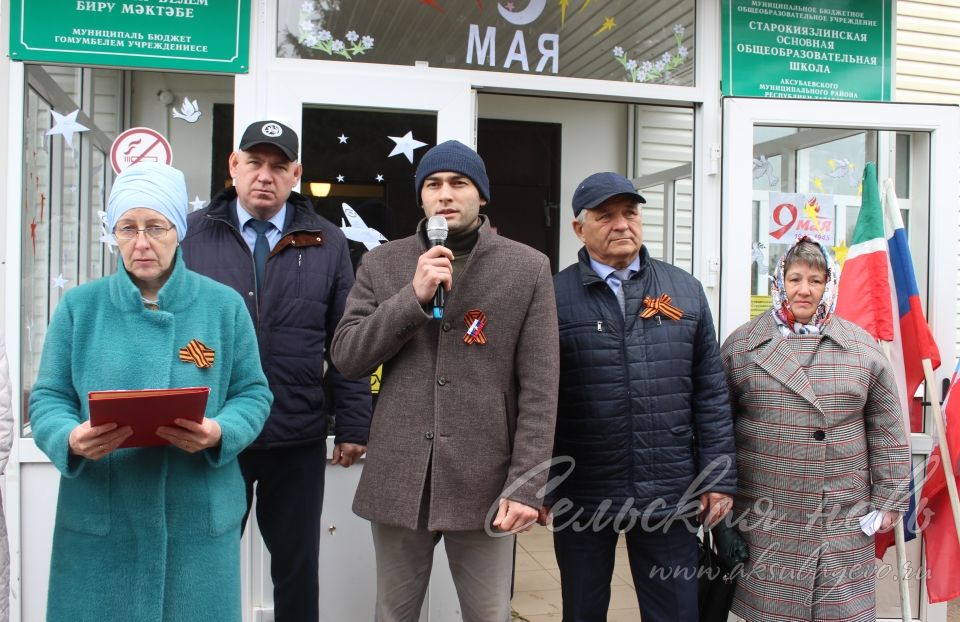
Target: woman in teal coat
151,533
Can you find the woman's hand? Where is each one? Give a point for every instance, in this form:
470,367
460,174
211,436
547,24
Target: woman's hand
713,507
889,520
94,443
191,436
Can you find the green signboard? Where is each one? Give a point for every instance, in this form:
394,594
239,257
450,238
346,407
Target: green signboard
191,35
808,49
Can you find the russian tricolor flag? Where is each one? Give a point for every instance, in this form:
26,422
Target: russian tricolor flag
916,340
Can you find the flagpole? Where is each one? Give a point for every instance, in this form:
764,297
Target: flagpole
906,612
947,464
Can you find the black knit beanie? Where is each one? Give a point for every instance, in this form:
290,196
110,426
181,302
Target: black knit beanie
455,157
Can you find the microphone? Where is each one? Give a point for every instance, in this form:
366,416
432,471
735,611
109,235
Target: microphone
437,236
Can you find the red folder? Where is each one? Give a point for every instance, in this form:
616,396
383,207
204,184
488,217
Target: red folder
146,410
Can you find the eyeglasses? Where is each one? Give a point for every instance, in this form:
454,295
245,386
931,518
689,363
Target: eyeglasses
130,233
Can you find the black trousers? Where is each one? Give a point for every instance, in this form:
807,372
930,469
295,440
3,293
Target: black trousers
289,487
663,563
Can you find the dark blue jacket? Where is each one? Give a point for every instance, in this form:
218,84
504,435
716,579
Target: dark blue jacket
305,285
643,403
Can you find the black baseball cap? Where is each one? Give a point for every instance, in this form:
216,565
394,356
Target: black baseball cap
271,133
599,187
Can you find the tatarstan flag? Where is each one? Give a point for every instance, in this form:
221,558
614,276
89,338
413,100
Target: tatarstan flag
863,296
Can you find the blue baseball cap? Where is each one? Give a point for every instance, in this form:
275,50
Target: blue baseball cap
599,187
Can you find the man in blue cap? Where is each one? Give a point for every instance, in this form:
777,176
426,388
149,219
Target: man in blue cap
464,421
642,412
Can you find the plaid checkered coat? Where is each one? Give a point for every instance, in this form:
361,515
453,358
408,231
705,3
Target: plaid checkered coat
820,442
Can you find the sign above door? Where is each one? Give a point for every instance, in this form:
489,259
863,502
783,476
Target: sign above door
797,49
190,35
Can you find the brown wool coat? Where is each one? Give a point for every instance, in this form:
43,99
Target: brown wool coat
480,416
820,442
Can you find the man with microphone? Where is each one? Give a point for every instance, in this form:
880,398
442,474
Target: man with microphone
464,424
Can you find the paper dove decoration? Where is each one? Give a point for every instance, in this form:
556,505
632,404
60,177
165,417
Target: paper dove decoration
756,252
358,231
189,111
761,167
844,167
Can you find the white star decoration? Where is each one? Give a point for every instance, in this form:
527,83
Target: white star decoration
379,177
343,139
197,204
105,236
340,178
66,126
59,281
405,145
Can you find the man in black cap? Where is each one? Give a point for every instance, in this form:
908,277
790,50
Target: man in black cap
293,269
464,422
643,411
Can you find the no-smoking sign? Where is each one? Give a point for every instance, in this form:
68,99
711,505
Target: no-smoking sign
139,144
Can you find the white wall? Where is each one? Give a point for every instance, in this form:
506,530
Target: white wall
191,142
4,141
928,63
593,138
928,51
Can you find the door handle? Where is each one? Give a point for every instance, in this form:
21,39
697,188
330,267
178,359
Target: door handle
548,208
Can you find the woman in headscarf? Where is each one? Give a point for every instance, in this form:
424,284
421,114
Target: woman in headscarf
820,444
148,533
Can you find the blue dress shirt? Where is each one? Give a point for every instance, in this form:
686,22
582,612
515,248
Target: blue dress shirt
248,233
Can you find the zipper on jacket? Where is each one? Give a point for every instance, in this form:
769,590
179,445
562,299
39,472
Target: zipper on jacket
599,326
299,271
628,383
256,289
253,265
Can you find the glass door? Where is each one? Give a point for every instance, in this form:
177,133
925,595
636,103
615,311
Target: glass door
772,148
354,151
357,156
782,154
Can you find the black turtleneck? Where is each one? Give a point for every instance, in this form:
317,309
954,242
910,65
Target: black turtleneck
462,245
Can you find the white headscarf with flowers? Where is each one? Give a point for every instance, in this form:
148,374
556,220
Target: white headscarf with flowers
784,317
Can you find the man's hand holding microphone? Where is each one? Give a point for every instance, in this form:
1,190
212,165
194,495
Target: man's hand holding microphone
434,275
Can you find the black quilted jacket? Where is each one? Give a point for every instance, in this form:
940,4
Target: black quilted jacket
643,404
305,285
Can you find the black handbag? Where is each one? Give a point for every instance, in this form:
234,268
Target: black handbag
722,555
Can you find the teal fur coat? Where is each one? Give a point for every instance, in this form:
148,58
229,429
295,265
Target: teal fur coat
148,534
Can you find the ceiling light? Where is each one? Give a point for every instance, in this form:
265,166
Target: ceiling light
319,188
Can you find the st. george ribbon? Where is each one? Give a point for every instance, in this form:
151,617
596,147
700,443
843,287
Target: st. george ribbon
437,236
